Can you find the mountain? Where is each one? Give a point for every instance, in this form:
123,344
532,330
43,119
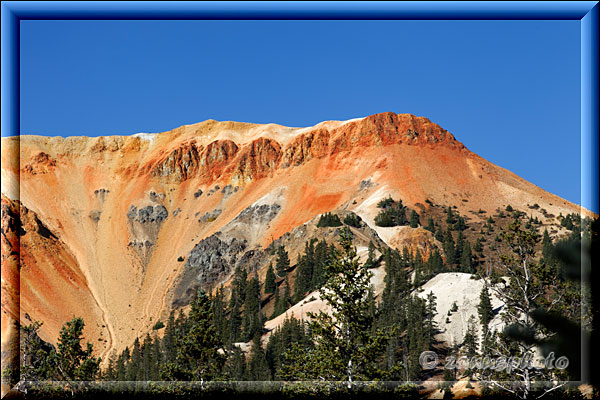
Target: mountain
122,229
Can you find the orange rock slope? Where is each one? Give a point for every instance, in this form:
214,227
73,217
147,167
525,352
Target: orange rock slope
107,218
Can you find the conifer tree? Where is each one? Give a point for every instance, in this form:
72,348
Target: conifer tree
258,368
321,258
449,249
73,361
198,357
283,262
252,320
219,315
168,342
371,261
414,219
466,258
486,314
430,312
121,365
470,339
430,225
344,346
133,365
270,280
303,277
281,301
37,362
235,367
439,234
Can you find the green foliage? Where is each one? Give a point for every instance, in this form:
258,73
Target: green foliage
329,220
270,280
258,368
430,225
486,313
252,320
282,264
197,356
470,339
158,325
69,361
352,220
345,348
283,300
414,219
37,357
454,307
391,215
385,203
73,362
449,248
466,259
371,262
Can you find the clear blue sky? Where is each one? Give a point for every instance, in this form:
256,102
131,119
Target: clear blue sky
509,90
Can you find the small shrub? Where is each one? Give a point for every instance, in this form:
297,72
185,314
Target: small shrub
509,208
158,325
180,258
454,307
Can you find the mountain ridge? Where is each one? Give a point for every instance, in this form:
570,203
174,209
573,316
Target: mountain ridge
126,208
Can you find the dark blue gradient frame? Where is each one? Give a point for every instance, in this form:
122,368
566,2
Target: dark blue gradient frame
12,12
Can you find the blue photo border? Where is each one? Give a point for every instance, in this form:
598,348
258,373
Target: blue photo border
587,12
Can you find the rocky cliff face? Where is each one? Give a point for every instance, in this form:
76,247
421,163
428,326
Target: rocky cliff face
121,229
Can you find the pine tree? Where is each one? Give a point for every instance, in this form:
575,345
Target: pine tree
470,339
321,258
344,346
37,358
439,234
283,262
252,320
270,280
371,261
236,302
450,219
449,249
547,247
281,301
303,277
414,219
258,368
219,315
235,367
430,312
121,365
430,225
73,361
133,365
198,357
486,314
168,342
466,259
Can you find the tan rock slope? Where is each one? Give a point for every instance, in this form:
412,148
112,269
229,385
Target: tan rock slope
106,219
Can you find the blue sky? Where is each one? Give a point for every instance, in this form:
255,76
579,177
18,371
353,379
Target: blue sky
509,90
